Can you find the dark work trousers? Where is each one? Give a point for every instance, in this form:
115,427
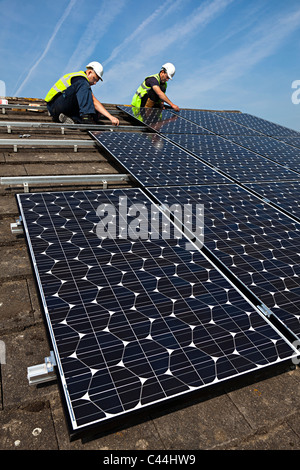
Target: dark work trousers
74,102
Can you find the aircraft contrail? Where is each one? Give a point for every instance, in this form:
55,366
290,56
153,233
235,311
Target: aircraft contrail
56,29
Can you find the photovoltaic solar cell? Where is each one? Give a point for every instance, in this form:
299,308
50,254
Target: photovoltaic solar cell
152,160
259,244
133,321
232,159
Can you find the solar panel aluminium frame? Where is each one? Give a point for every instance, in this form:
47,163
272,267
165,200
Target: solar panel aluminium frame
282,352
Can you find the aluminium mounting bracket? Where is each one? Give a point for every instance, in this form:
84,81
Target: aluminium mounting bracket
16,227
41,373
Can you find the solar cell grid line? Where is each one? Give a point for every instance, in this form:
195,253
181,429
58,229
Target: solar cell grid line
163,120
153,160
286,195
236,162
135,322
257,242
215,122
261,125
271,148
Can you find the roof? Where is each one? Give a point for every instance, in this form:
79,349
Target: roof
260,411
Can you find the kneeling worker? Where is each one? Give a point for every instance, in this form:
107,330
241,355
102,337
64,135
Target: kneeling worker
152,92
71,99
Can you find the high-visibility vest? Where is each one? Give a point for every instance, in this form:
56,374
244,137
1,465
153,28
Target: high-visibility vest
63,83
143,89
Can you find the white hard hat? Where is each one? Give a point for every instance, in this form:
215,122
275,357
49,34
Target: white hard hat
170,69
97,67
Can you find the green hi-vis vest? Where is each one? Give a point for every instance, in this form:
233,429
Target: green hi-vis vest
142,90
63,83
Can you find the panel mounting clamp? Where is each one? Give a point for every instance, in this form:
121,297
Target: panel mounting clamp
41,373
265,310
16,227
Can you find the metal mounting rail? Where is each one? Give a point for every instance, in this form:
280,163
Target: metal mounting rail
37,107
42,373
26,142
55,125
32,107
53,179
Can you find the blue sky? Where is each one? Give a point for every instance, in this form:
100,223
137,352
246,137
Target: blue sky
229,54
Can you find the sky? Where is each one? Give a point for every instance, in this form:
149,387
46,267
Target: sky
229,54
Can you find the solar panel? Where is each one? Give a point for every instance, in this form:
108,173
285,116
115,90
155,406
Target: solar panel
284,194
235,161
227,157
215,123
134,322
277,151
261,125
163,120
152,160
258,243
295,141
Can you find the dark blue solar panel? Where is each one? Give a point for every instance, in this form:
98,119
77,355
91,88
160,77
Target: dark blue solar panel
153,160
163,120
134,321
215,123
235,161
273,149
284,194
258,243
294,141
261,125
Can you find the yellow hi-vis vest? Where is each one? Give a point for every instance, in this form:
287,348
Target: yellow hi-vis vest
143,89
62,84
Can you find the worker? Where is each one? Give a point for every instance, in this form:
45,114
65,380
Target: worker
152,92
71,99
